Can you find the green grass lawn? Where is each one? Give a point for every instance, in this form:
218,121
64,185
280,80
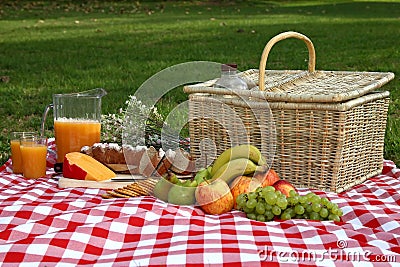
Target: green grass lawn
49,47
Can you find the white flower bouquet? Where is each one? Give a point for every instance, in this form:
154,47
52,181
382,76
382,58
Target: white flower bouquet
144,129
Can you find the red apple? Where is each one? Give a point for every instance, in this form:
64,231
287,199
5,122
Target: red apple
284,187
243,184
214,197
267,178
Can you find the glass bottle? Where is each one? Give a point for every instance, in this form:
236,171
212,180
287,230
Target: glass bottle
229,78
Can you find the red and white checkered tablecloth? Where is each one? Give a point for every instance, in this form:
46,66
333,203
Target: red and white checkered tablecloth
43,225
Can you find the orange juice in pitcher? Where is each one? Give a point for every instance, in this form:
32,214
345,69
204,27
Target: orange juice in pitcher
72,135
76,121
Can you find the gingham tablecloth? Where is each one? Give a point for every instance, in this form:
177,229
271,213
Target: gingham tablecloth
43,225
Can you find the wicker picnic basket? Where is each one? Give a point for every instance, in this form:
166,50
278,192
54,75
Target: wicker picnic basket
320,129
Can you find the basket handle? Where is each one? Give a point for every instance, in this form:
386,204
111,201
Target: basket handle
274,40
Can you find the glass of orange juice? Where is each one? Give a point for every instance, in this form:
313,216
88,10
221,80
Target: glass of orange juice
34,154
15,150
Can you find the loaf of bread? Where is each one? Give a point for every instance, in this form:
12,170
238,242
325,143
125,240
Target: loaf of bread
142,160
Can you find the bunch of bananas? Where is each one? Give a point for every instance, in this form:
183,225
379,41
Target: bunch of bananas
236,161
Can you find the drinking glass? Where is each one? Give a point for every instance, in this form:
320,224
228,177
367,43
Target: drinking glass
34,154
15,150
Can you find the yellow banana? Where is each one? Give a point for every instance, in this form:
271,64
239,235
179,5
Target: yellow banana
241,151
235,168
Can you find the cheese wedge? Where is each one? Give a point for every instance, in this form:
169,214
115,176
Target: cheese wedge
83,167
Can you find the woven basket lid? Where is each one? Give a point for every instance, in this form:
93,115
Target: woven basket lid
316,86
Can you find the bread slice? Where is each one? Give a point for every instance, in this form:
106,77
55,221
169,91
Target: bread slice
149,162
133,156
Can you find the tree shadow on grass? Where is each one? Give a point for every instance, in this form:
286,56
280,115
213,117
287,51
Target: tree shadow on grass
16,10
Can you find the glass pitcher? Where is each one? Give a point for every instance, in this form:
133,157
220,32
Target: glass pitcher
77,121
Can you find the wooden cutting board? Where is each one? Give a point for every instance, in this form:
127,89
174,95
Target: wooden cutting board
119,181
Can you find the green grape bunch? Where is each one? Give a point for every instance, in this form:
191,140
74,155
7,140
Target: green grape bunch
267,204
